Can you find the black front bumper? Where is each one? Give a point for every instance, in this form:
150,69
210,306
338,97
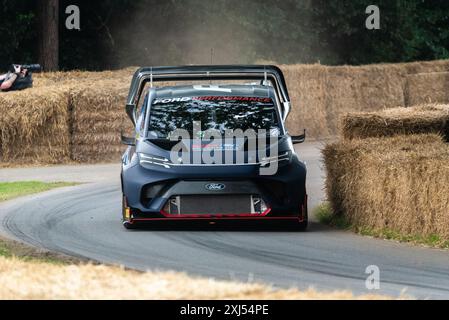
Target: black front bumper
147,191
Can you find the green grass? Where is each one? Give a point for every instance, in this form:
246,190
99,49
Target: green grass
4,251
10,190
324,214
433,240
12,249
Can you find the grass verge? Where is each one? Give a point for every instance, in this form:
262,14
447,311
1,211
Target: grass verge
324,214
10,190
17,250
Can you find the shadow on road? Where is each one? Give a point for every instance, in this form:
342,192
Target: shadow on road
226,226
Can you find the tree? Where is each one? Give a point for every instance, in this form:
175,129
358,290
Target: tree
17,33
118,33
48,18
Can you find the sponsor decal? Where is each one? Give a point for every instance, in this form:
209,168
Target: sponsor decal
171,100
233,98
212,98
214,146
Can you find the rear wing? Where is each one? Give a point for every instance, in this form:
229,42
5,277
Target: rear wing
208,72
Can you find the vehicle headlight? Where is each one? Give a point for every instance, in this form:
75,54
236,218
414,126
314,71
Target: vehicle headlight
146,159
282,157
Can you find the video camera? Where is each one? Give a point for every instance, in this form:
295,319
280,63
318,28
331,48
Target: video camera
29,67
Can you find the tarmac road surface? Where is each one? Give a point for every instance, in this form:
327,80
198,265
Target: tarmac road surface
85,220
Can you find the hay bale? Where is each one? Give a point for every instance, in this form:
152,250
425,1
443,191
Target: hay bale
38,125
361,89
321,94
307,87
79,77
398,183
424,66
98,153
427,88
98,117
34,126
414,120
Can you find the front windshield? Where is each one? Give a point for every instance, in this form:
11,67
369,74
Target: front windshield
214,112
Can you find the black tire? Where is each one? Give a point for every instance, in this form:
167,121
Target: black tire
302,225
130,226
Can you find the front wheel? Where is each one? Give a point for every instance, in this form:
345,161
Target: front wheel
129,225
303,221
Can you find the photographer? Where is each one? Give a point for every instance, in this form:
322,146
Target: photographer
17,78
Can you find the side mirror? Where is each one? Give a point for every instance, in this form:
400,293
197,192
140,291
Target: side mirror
286,110
128,140
299,139
131,112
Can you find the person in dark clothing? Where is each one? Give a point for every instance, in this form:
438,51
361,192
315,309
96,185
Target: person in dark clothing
17,80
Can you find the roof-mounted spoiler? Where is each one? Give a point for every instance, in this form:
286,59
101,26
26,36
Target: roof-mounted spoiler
207,72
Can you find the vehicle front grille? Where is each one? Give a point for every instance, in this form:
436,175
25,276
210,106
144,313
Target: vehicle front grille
215,205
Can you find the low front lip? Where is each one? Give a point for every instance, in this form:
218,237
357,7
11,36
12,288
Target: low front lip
227,218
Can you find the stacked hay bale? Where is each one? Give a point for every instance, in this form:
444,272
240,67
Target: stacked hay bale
427,88
34,126
98,117
396,183
367,88
78,77
321,94
420,119
94,104
391,171
307,87
425,66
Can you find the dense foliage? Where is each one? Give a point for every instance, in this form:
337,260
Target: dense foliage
116,33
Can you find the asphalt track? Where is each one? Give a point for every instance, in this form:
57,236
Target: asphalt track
85,221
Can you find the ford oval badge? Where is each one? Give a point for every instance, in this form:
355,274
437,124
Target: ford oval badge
215,186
